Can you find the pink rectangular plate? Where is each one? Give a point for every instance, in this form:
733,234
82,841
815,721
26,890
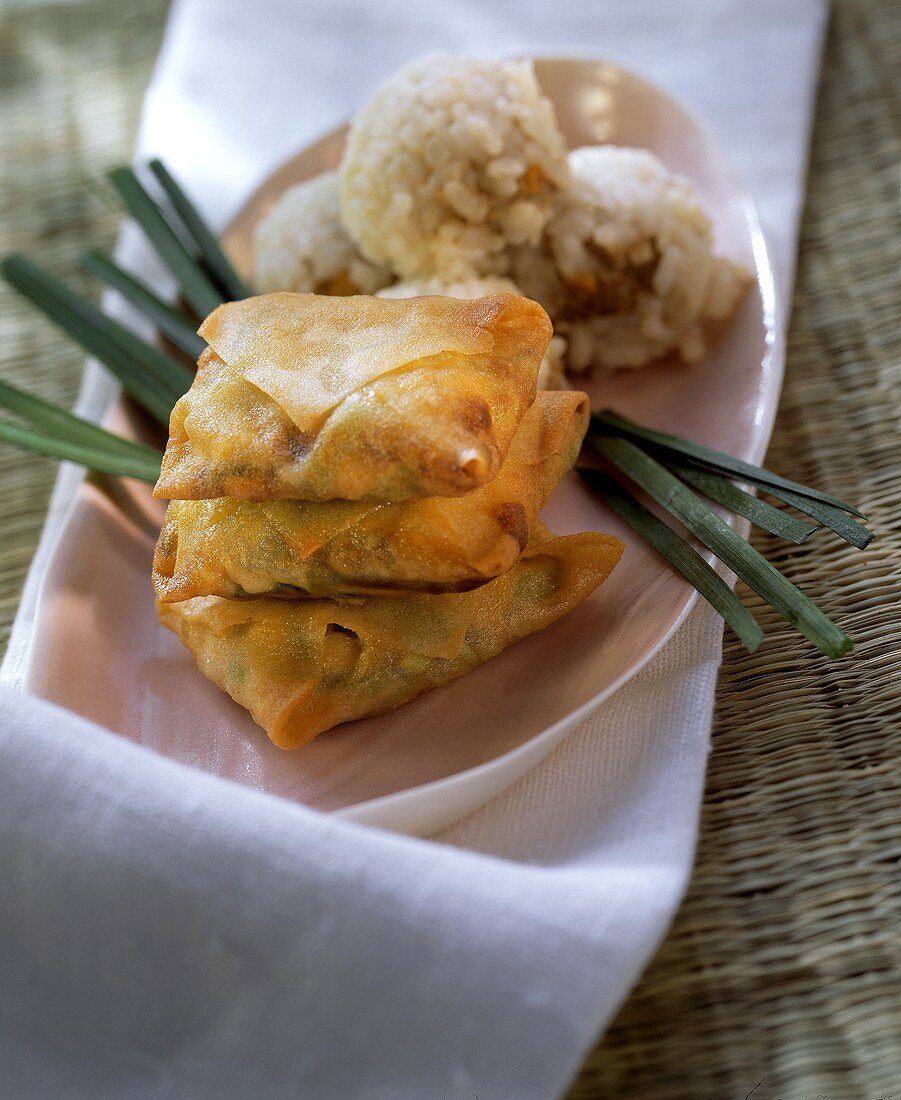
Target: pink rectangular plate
97,648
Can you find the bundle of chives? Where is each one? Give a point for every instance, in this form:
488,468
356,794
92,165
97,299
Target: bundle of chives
731,549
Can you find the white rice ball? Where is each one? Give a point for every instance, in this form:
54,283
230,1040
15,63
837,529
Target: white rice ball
551,374
301,245
452,161
626,267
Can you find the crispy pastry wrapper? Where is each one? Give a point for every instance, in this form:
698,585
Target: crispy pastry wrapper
235,548
313,397
303,666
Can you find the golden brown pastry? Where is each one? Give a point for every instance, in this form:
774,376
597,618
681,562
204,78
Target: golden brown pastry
303,666
319,398
237,548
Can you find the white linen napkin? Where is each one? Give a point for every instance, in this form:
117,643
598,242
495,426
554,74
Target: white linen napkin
168,933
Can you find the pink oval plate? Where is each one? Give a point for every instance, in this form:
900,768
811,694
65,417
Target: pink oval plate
99,651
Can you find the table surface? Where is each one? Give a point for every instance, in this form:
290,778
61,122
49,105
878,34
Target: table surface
780,973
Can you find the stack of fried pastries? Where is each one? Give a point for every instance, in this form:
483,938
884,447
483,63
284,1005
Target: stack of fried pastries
354,486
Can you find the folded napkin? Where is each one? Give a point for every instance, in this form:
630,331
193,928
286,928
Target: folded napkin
169,933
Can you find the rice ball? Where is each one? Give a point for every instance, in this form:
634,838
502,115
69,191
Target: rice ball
452,161
626,267
301,245
551,374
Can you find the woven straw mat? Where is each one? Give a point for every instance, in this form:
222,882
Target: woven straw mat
781,974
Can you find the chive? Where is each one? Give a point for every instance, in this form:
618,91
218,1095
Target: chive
196,288
680,555
67,426
105,460
232,285
813,504
736,500
171,322
606,420
833,518
826,514
729,547
152,378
